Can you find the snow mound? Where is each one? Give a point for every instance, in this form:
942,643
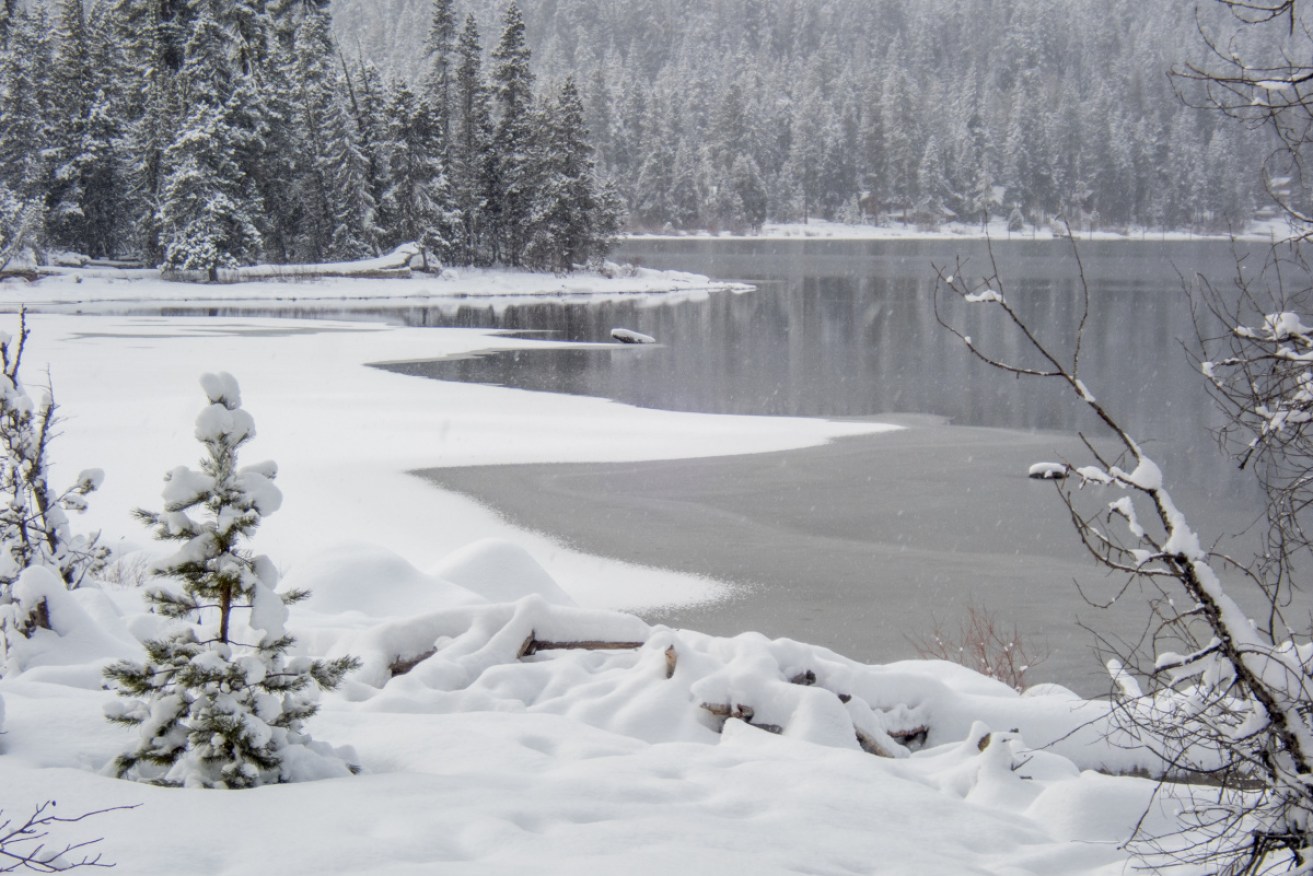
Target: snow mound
500,571
86,630
614,672
373,582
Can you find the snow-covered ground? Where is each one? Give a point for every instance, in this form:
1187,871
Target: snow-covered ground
478,760
91,288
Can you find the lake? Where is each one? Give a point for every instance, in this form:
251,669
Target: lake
865,545
847,329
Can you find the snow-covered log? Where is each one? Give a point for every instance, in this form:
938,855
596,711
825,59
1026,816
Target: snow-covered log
398,264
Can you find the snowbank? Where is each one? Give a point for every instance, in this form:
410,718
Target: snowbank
377,281
517,741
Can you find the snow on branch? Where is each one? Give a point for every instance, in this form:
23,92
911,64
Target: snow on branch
1235,703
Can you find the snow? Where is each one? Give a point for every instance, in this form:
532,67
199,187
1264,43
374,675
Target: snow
984,296
1049,471
476,759
99,289
629,336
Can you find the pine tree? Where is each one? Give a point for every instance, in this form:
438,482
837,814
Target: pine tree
147,34
366,100
517,159
332,187
471,152
74,92
25,133
218,702
573,223
441,49
418,202
208,208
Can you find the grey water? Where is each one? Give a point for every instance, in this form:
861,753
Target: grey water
848,329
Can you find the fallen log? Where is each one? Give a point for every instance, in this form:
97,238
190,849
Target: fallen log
869,745
533,645
401,666
744,713
913,737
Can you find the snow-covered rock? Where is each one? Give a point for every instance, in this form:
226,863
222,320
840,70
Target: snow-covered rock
628,336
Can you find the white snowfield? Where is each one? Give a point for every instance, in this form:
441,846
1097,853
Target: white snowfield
484,749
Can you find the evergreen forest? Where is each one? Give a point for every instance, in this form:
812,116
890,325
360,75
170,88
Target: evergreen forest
727,113
204,134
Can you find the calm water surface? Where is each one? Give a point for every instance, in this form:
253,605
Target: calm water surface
847,329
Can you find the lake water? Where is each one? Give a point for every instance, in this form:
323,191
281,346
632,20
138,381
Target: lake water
847,329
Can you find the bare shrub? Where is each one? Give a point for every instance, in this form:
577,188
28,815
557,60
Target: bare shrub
980,641
25,846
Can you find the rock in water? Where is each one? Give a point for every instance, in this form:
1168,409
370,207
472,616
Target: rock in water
1048,471
625,336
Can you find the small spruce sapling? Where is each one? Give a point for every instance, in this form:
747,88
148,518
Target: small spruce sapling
219,703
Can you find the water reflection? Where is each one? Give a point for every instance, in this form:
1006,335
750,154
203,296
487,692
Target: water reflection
841,328
848,329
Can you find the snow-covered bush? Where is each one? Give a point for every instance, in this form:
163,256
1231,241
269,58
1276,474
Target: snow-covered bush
219,702
34,523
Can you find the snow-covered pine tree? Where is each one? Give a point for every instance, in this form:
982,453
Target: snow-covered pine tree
24,123
337,210
441,50
219,702
208,208
34,524
517,153
573,224
88,197
367,103
471,149
418,203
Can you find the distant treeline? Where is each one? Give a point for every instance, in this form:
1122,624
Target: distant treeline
723,113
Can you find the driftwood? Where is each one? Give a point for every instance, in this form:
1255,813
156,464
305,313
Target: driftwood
912,738
744,713
401,666
533,645
869,745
